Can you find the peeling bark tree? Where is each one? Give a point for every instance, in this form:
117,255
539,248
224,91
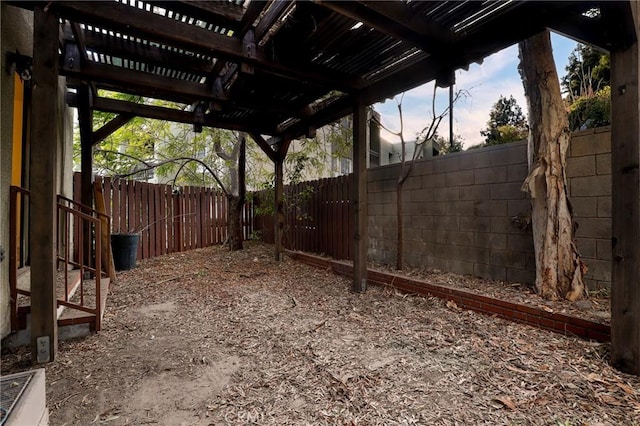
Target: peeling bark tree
236,194
559,269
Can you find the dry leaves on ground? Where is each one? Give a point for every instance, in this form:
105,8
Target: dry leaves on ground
210,337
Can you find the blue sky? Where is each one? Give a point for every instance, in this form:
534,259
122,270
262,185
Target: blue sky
497,75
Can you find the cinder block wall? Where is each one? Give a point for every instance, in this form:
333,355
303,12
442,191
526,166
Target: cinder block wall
589,180
459,210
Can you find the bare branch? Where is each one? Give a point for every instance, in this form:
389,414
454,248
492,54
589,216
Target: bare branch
178,160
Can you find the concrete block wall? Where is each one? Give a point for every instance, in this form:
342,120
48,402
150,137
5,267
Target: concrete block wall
457,214
459,210
589,181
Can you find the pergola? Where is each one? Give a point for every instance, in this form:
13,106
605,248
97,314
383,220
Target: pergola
278,70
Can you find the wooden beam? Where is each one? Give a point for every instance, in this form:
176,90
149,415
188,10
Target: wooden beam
329,113
43,178
271,16
154,56
137,22
612,28
223,14
254,10
108,128
152,85
625,176
169,114
359,197
397,20
264,145
249,17
159,87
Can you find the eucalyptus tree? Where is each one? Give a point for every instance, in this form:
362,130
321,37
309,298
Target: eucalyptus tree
559,269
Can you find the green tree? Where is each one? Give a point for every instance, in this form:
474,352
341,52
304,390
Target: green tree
447,146
587,88
588,71
587,112
506,123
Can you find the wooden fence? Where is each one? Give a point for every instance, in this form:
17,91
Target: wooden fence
168,221
317,217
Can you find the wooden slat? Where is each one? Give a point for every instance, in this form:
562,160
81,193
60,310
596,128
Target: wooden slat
151,207
348,218
157,28
189,218
325,215
159,222
106,257
223,218
335,219
177,223
219,217
165,199
209,227
124,205
199,230
106,193
315,211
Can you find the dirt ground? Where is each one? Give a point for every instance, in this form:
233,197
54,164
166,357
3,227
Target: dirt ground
210,337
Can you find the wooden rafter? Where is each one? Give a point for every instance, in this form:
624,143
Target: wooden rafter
136,22
108,128
264,145
170,114
397,20
156,86
145,53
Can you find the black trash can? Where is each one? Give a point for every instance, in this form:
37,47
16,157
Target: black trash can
125,250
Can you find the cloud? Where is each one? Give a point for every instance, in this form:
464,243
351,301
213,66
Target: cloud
483,83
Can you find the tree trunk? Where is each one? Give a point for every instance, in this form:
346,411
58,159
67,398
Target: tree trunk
237,195
559,269
400,226
234,222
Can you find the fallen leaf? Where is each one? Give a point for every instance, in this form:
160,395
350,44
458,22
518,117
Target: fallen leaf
593,377
506,401
608,399
626,388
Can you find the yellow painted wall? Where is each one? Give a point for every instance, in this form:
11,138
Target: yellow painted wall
18,108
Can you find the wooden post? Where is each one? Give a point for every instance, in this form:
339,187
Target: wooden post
43,173
178,220
625,176
278,226
359,197
85,124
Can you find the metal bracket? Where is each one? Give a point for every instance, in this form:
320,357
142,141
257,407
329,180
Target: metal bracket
249,51
19,63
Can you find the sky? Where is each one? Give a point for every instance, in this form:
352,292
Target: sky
483,84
